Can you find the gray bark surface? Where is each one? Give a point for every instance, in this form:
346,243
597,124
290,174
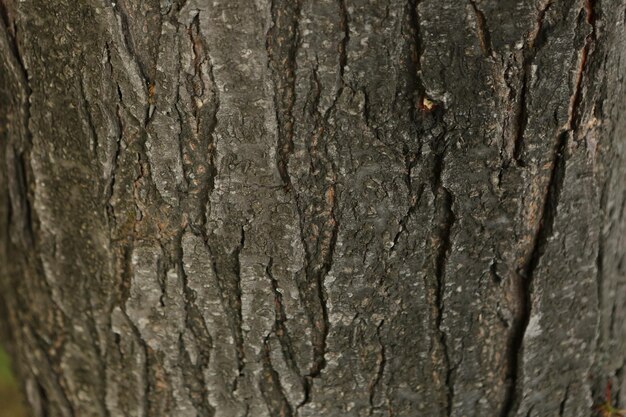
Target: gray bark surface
309,208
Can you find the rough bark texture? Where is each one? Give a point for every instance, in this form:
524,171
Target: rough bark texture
314,207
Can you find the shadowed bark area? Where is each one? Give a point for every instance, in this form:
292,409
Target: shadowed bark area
300,208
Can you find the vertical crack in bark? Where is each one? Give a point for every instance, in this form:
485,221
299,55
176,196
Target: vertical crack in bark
529,54
382,361
136,334
43,408
270,386
484,36
590,14
521,118
282,334
343,48
122,245
280,329
141,176
415,91
109,187
16,60
574,111
236,316
493,269
127,37
564,402
192,380
426,118
546,221
603,206
319,250
194,321
612,320
92,327
317,206
227,269
20,207
444,221
198,136
282,46
410,160
50,362
83,104
124,269
17,156
543,233
5,19
414,65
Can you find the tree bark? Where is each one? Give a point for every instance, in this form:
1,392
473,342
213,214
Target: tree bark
314,207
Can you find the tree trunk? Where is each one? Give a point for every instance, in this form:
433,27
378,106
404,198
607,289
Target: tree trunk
314,207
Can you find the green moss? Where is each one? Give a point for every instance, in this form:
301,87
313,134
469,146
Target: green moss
11,404
5,368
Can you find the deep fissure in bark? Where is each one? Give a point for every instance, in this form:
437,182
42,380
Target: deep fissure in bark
544,232
529,54
282,46
445,220
549,210
483,31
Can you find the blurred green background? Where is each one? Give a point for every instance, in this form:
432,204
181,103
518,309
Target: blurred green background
10,398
